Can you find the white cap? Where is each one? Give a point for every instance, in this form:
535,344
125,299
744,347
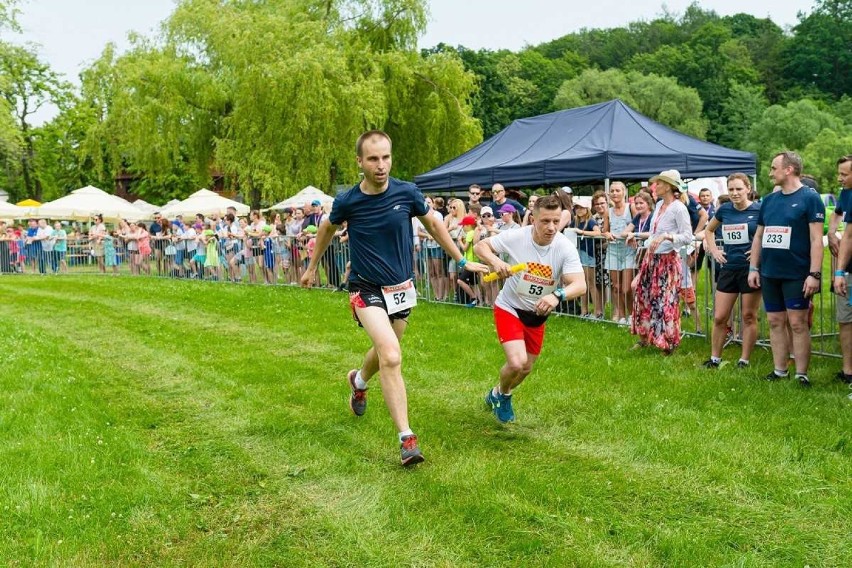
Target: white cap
567,189
485,210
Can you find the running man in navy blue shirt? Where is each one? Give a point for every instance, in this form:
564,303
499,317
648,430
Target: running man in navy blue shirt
381,283
786,262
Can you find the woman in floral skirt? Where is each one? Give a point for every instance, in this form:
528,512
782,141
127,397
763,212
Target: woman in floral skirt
656,304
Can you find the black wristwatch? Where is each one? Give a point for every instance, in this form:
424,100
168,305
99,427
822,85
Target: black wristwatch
817,275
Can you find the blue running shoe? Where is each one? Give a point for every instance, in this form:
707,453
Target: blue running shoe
501,405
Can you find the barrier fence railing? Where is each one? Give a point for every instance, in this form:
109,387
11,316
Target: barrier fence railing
609,268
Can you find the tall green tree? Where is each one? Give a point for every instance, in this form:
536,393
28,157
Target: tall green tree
821,154
28,84
819,56
793,127
659,98
273,95
743,107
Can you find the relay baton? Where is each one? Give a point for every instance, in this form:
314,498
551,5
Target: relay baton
492,276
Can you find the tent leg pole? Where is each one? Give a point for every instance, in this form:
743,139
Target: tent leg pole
606,187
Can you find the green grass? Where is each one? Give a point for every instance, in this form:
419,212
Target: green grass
170,423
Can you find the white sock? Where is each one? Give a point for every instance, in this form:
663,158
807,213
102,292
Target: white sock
780,373
716,359
405,434
743,360
359,382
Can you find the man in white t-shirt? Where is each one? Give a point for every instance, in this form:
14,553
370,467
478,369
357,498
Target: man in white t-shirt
552,273
43,235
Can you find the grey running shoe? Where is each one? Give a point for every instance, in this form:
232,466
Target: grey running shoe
409,451
358,398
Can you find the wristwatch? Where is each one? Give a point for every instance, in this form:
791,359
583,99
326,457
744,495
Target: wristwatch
817,275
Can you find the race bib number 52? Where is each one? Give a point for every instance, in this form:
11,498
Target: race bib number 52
776,237
400,297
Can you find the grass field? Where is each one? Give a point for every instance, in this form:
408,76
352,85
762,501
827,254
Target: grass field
170,423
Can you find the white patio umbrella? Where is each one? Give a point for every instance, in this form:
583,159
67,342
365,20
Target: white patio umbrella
81,204
12,211
205,202
304,197
145,207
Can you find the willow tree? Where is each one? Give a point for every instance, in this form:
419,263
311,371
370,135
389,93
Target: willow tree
273,94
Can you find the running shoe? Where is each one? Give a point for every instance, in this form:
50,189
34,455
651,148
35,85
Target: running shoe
711,364
358,398
773,377
501,405
409,451
803,380
844,378
742,364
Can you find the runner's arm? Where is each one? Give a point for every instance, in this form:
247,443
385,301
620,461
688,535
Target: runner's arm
833,240
754,258
710,240
324,235
442,236
844,254
573,285
485,251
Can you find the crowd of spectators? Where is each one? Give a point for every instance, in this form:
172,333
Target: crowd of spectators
641,254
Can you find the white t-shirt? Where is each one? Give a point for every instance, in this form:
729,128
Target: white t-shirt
47,243
416,225
545,267
191,243
430,242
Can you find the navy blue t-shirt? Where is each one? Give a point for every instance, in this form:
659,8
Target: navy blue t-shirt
585,243
796,211
694,209
381,238
727,214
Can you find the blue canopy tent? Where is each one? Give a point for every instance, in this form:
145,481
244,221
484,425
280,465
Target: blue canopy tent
594,143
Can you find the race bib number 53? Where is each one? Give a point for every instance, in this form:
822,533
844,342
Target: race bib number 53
775,237
400,297
534,286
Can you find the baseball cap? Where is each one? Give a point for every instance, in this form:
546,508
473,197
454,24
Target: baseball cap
566,189
316,203
486,210
311,229
507,208
468,220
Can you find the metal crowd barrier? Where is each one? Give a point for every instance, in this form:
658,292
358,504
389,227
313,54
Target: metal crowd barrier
281,260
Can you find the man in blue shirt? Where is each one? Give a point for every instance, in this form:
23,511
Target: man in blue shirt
842,280
786,262
498,195
379,210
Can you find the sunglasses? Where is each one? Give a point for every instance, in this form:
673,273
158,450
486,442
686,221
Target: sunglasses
472,193
487,215
453,207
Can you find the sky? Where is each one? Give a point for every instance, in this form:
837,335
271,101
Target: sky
72,33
